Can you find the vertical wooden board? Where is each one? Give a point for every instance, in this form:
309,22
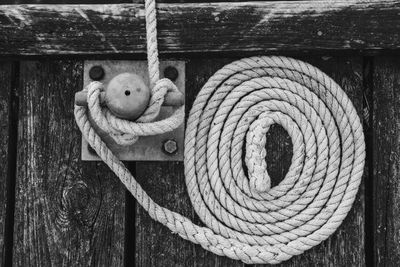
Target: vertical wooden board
5,88
67,212
155,244
346,247
165,183
386,160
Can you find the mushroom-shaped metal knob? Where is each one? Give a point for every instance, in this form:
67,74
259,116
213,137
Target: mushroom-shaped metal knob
127,96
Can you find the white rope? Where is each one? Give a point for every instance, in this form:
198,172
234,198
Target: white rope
152,46
246,219
127,132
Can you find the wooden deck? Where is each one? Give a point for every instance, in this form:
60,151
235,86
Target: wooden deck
56,210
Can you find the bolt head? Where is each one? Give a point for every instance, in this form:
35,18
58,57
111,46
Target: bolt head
171,73
96,73
170,146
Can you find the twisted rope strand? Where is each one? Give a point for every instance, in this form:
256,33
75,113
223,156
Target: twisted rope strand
245,218
152,45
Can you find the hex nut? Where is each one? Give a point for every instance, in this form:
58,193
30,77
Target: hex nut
170,147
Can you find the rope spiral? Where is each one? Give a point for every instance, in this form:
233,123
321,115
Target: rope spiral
225,169
226,131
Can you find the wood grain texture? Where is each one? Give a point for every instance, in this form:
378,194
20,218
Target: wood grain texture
386,161
41,2
156,245
5,88
201,27
346,247
19,2
165,183
68,213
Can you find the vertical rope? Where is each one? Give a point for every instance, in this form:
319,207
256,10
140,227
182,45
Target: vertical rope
127,132
152,45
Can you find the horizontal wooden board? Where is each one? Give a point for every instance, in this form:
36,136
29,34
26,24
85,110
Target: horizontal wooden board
10,2
201,27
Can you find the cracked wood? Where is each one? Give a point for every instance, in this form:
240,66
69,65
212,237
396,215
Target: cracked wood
201,27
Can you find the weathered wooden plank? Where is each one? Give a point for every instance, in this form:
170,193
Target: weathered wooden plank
201,27
386,160
165,183
41,2
5,89
155,244
67,213
346,247
20,2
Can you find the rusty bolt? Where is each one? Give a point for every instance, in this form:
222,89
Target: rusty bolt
96,73
171,73
170,147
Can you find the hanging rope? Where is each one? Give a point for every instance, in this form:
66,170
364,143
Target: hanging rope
245,218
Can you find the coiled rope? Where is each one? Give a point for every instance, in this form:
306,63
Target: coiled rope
245,218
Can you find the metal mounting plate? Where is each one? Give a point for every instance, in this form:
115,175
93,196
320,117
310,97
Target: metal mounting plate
149,148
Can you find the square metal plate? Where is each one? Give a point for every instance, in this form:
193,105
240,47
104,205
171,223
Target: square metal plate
149,148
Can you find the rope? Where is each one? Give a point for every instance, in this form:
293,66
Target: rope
152,46
126,132
225,168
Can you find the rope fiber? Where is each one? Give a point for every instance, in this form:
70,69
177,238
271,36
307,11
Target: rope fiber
225,169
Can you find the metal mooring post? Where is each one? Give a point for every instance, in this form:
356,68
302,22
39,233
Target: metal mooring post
126,95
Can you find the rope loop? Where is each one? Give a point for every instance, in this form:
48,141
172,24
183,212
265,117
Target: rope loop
126,132
226,131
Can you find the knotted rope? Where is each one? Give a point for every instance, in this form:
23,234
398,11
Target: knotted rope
245,218
126,132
